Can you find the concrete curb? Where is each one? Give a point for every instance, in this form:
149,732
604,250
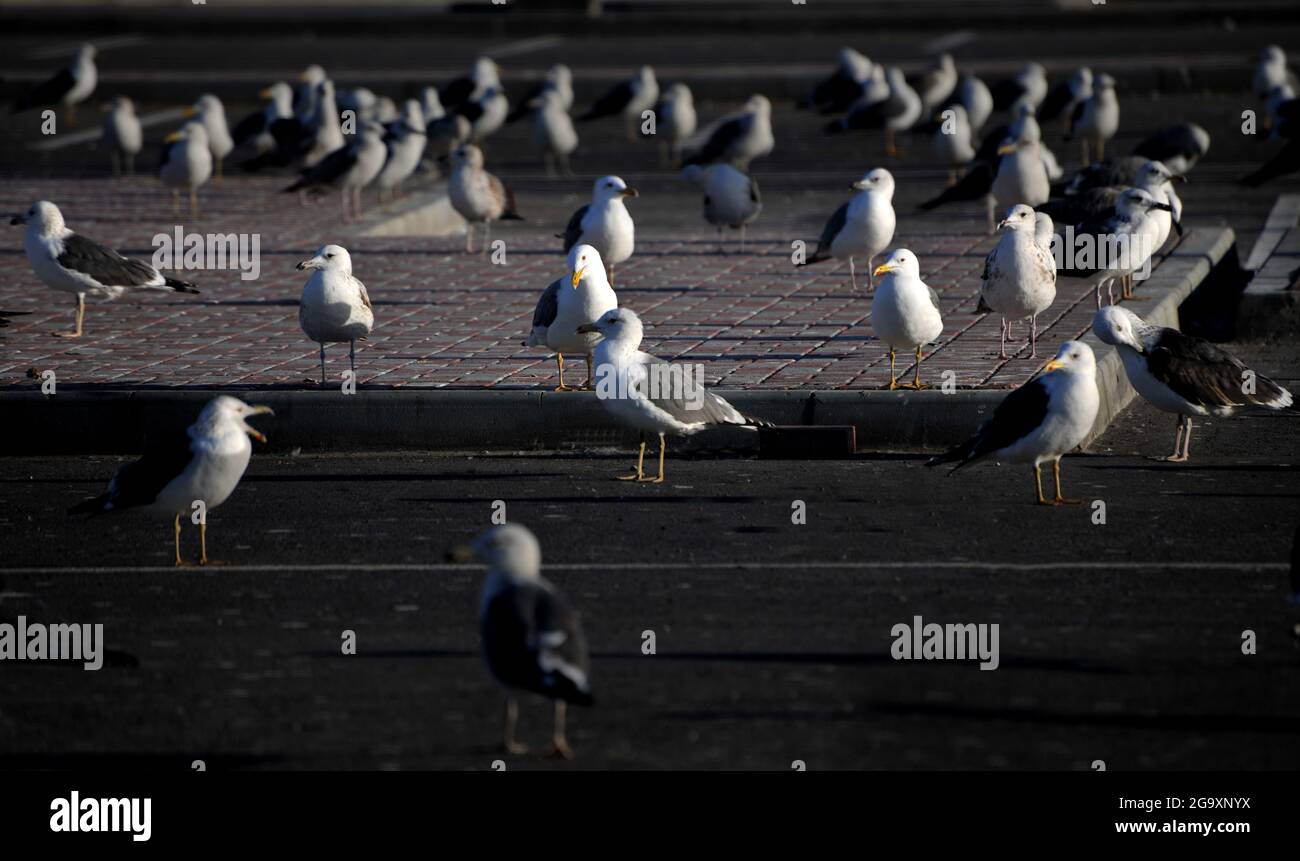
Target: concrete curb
85,421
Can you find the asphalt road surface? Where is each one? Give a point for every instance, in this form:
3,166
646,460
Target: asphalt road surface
1119,641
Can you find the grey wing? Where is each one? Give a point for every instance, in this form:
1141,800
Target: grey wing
753,191
934,296
573,232
832,229
104,264
673,389
548,306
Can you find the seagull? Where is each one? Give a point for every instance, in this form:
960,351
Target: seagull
186,164
1183,374
1047,417
67,88
485,73
862,227
952,140
561,311
486,113
1112,172
558,80
334,306
676,120
731,197
349,168
255,129
1019,277
477,195
1179,147
1029,86
123,136
553,132
212,114
905,312
841,89
1062,99
737,138
325,134
605,224
447,134
1098,204
306,98
973,95
649,394
897,112
1271,72
1121,245
1096,118
404,143
532,637
630,98
202,465
1021,175
74,264
937,84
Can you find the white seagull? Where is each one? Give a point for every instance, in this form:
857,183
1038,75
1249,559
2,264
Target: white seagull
737,138
863,227
651,395
349,168
1019,277
186,164
254,130
676,120
553,132
334,307
212,114
578,298
72,263
1096,119
202,464
731,197
1183,374
1021,176
953,142
66,89
630,99
605,224
531,636
404,142
479,196
905,312
123,136
1046,418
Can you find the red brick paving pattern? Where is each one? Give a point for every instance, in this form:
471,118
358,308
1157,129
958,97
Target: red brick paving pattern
449,319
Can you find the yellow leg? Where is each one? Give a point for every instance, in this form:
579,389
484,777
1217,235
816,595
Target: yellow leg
640,467
916,383
177,540
81,314
1038,483
203,543
1061,500
662,446
609,276
559,362
893,380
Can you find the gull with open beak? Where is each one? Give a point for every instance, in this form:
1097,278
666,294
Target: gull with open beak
186,473
905,311
604,224
570,302
1046,418
334,307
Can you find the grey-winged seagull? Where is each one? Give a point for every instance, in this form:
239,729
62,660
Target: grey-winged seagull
1019,279
1096,119
605,224
553,132
123,136
737,138
67,88
531,636
731,197
186,164
212,114
201,464
334,307
651,395
350,168
1183,374
1046,418
72,263
629,99
480,197
862,227
580,297
905,312
676,120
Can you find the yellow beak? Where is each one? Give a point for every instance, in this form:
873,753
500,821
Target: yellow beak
577,276
173,137
1006,148
265,94
1054,365
189,112
883,268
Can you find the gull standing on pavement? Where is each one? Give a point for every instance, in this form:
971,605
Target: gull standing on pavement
66,89
334,307
737,138
578,298
123,136
1019,279
404,143
676,120
350,168
213,116
630,99
478,196
553,132
605,224
186,164
731,197
1096,119
862,227
905,312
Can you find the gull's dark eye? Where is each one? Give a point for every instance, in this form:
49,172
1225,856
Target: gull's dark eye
328,256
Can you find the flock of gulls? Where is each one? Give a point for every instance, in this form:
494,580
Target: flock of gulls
990,137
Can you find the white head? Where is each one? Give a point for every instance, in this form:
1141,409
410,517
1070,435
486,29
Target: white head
1135,200
413,114
209,105
1074,357
485,72
86,53
1081,81
1116,325
585,263
224,413
122,104
560,74
1103,82
877,180
1019,217
334,258
679,93
467,155
313,75
646,74
1272,55
758,104
610,188
1154,174
617,324
901,263
510,549
42,218
946,63
1043,229
432,103
193,132
281,95
1034,70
